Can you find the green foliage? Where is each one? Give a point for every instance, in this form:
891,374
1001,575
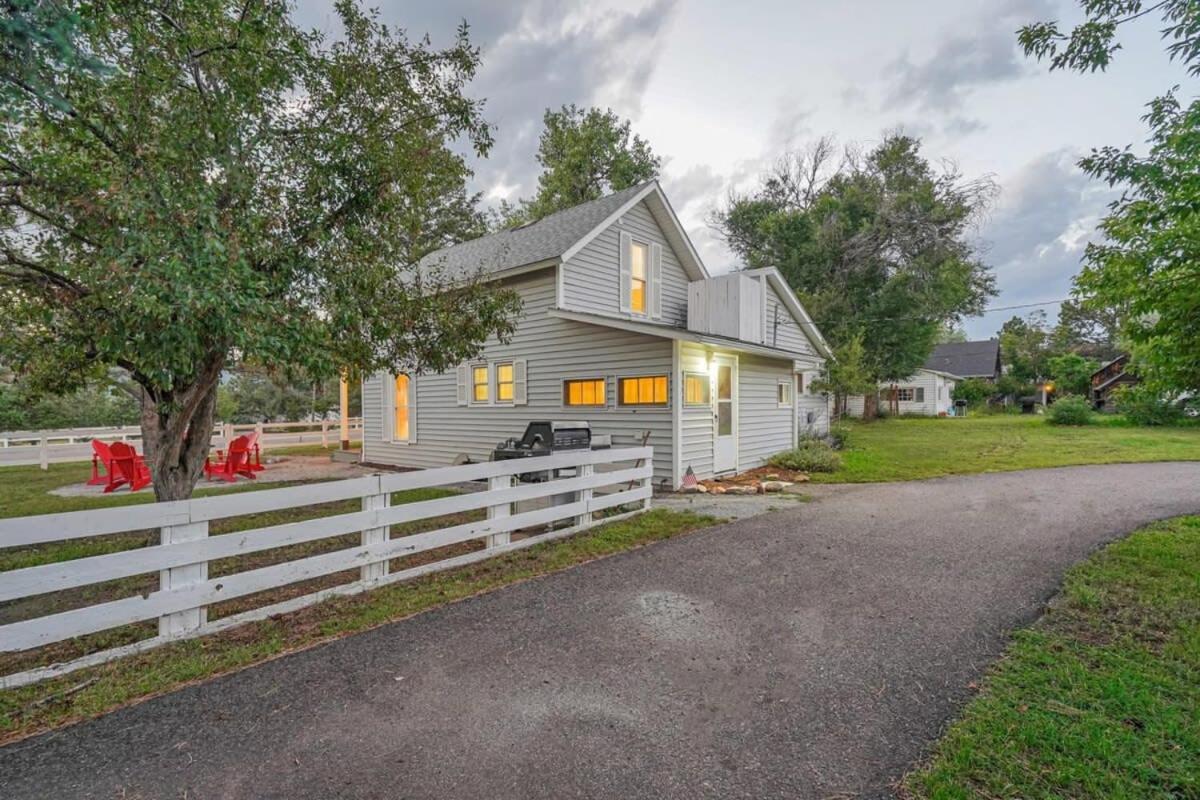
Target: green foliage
812,455
878,246
839,436
1071,373
1024,347
1146,264
1142,405
235,186
974,390
1069,410
258,395
846,373
585,154
95,405
1010,385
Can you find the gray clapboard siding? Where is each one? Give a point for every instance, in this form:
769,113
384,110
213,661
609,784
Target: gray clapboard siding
554,350
763,427
591,278
782,330
696,423
937,396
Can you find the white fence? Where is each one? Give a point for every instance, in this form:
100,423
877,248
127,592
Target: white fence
181,559
43,447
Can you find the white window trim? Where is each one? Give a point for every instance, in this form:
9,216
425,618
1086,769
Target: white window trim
494,379
471,367
412,418
787,388
704,379
562,393
647,300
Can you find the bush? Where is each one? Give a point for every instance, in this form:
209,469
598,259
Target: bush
974,390
838,436
1144,407
810,456
1070,410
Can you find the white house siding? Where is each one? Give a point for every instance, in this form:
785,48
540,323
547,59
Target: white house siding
696,423
782,330
763,427
937,396
591,278
554,350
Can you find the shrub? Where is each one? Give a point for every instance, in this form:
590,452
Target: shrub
1144,407
1070,410
974,390
838,436
810,456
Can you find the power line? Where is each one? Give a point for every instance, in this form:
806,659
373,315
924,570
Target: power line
980,314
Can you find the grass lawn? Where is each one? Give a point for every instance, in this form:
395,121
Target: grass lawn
910,448
1101,698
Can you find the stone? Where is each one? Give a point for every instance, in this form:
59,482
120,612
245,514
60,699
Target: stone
775,486
717,490
741,490
771,477
697,489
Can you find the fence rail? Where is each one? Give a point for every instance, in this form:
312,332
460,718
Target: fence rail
182,558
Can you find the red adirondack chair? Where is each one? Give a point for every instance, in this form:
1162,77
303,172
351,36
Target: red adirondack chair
237,461
126,467
101,457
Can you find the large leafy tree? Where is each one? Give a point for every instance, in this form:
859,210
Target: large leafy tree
877,246
231,188
1149,262
585,154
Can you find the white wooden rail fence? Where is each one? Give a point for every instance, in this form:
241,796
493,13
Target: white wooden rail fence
181,559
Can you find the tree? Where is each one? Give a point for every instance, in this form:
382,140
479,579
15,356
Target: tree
846,374
975,391
1087,330
585,154
1149,263
1024,347
232,188
876,246
1072,373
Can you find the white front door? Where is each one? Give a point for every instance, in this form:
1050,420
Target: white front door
724,414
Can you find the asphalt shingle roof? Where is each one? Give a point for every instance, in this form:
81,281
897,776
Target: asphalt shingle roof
966,359
549,237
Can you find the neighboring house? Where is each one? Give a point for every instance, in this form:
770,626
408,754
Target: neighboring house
979,359
622,326
928,393
1108,378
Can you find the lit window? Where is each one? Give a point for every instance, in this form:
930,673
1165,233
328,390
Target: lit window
400,429
783,393
479,384
695,389
649,391
504,383
639,257
590,392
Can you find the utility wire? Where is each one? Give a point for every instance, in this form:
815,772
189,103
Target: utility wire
985,311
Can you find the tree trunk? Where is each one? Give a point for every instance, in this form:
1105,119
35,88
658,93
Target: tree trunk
176,436
871,405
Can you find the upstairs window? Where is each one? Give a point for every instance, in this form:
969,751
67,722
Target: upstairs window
504,382
639,259
479,384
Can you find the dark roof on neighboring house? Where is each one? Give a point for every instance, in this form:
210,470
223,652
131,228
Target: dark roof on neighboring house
547,238
967,359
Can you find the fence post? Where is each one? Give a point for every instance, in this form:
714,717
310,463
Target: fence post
500,511
325,433
585,495
178,577
648,482
375,502
258,428
44,452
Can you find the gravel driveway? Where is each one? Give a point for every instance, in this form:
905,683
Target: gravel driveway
811,652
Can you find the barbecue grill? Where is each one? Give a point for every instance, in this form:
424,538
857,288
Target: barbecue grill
542,438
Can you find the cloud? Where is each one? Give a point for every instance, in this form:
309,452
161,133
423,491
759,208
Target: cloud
537,54
1037,235
963,62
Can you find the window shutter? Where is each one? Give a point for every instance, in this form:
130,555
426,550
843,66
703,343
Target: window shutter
462,384
626,272
387,404
520,397
655,304
920,394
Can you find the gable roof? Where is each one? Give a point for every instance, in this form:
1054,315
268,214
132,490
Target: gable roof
978,359
794,306
557,236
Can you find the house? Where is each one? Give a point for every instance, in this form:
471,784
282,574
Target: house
1106,379
622,326
927,393
979,359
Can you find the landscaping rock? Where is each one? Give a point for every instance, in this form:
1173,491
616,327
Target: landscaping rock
741,490
775,486
717,490
699,488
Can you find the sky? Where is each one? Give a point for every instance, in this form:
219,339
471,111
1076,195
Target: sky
721,90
